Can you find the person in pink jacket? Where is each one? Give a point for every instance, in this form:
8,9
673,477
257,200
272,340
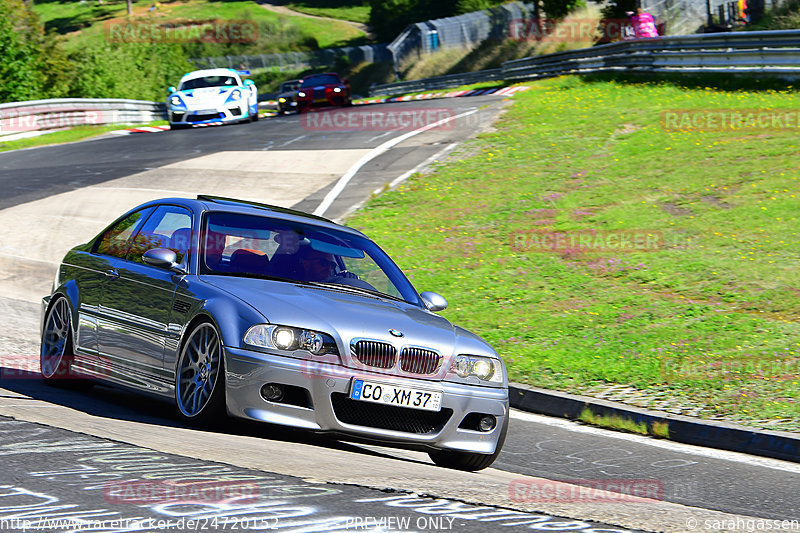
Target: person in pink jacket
644,26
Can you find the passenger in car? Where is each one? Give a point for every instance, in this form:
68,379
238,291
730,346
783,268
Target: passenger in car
245,261
285,262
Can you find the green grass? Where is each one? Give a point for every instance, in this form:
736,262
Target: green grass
619,423
80,133
613,422
84,22
707,321
352,10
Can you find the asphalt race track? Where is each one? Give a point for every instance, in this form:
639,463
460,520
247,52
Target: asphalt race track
73,454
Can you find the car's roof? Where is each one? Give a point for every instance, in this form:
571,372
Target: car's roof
232,205
209,72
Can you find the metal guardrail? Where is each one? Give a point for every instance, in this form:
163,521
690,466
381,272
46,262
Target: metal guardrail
439,82
39,115
774,53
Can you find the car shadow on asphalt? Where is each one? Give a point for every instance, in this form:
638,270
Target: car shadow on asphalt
122,404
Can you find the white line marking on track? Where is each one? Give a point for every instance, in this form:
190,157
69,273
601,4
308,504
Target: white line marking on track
403,177
399,179
290,141
384,134
754,460
375,152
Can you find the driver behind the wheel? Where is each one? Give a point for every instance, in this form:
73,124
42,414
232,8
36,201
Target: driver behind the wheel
316,265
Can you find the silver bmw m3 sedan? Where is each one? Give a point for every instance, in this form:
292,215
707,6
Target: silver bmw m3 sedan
228,307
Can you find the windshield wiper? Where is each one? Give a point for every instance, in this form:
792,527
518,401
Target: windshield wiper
351,288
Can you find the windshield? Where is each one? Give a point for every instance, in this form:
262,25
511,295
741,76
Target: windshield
209,81
256,246
321,80
289,86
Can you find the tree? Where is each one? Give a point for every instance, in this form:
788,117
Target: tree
21,56
390,17
556,9
616,9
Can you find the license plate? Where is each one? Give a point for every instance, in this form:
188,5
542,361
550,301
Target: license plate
372,391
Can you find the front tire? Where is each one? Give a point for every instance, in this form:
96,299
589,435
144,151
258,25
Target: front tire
200,377
178,126
56,354
471,462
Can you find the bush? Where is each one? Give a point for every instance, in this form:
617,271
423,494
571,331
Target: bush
140,71
556,9
21,56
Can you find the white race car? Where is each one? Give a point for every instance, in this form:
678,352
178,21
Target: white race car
212,96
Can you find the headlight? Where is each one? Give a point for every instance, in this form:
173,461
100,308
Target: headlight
176,101
337,89
483,368
301,94
289,339
281,99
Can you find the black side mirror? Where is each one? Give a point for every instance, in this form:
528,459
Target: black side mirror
163,258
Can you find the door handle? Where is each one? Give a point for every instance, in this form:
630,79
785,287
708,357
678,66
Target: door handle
112,273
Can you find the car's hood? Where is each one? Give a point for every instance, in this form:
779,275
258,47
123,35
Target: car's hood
206,95
347,315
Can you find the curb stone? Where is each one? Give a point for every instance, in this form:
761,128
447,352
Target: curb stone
687,430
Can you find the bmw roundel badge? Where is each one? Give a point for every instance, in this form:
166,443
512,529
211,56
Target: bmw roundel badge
396,332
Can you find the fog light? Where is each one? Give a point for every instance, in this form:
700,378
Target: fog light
272,392
487,423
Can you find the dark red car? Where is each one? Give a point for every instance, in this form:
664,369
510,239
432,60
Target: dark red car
323,90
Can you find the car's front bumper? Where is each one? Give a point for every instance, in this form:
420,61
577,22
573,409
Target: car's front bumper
328,387
189,117
335,99
287,106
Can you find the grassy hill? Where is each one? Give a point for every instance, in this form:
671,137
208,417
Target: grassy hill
701,319
82,22
353,10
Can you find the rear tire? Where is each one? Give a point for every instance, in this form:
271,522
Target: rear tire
178,126
200,377
471,462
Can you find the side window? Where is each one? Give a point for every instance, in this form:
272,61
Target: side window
116,240
168,227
